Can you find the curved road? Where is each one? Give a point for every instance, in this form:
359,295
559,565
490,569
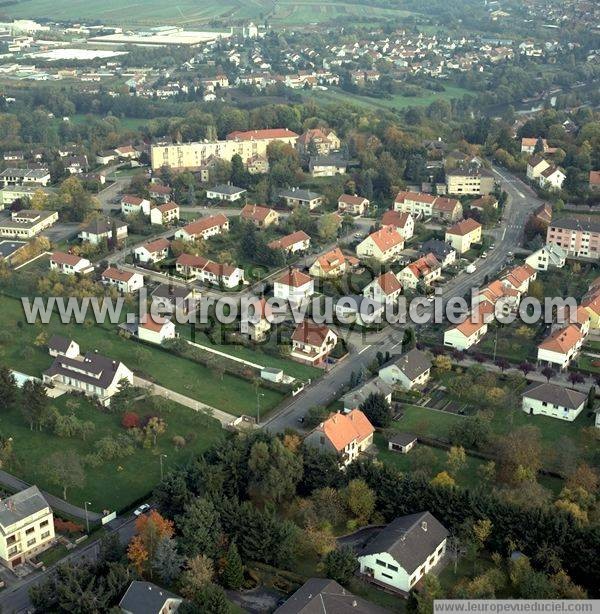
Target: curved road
522,200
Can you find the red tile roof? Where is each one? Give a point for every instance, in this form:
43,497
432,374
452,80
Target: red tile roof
199,226
415,196
113,273
424,265
386,238
255,212
204,264
395,218
271,133
594,177
154,323
289,240
311,333
294,278
342,429
463,227
156,246
64,258
350,199
562,340
389,283
131,199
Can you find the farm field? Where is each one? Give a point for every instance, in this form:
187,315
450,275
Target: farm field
190,13
118,482
395,102
229,393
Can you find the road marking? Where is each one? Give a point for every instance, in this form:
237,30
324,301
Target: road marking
365,348
396,345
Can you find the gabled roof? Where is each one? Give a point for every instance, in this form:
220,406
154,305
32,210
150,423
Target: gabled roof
167,207
145,598
131,199
470,326
414,196
114,273
519,275
463,227
395,218
252,135
386,238
594,178
311,333
562,340
389,283
557,395
199,226
413,364
99,226
350,199
64,258
59,343
445,204
410,540
423,266
342,429
204,264
293,278
153,323
156,246
21,505
256,213
285,242
333,259
226,189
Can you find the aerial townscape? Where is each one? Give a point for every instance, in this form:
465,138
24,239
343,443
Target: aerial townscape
299,306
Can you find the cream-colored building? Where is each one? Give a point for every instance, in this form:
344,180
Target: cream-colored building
194,155
26,526
463,234
27,223
477,181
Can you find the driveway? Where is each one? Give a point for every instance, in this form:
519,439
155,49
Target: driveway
256,601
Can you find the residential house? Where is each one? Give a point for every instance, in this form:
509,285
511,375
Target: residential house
472,180
261,217
147,598
321,595
444,252
347,435
520,277
229,193
359,309
294,286
552,400
257,165
332,264
550,255
258,322
152,251
353,205
312,343
26,223
155,329
76,165
134,205
26,526
446,209
592,306
543,214
20,176
127,152
69,264
577,315
560,347
484,202
207,271
384,289
357,396
203,228
301,198
159,192
92,374
467,333
417,204
165,214
99,230
552,178
425,271
61,346
411,370
536,165
402,222
326,166
383,245
580,237
320,141
168,298
404,551
463,234
528,144
105,157
124,281
298,241
498,297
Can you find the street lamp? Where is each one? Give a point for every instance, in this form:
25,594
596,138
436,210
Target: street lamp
161,465
87,520
258,395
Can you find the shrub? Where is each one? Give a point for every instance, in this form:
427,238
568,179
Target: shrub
130,420
178,441
67,526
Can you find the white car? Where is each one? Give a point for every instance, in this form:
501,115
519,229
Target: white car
141,509
484,255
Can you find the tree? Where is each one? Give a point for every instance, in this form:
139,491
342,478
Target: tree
409,340
590,400
239,174
198,574
125,395
443,479
8,388
429,591
328,226
526,367
502,364
315,415
65,470
548,373
211,599
377,410
167,561
340,564
130,420
442,363
519,455
456,459
233,574
154,427
151,529
35,403
200,529
576,378
360,500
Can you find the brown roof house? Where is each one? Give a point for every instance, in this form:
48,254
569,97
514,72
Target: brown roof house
312,343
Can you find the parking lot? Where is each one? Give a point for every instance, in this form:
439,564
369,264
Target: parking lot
8,248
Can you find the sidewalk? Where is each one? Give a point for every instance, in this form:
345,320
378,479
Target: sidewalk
56,504
223,417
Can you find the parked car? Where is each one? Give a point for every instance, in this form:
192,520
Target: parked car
141,509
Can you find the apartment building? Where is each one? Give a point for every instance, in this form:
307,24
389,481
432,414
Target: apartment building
478,181
27,223
580,238
26,526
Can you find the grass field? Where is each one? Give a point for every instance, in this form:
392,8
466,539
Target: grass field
118,482
191,13
395,102
229,393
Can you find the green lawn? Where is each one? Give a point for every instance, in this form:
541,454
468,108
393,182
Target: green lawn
118,482
395,102
229,393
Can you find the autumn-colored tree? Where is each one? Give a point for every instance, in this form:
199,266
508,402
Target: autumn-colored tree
130,420
442,362
444,479
150,530
456,459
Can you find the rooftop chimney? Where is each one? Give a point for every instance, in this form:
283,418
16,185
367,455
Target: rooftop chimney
424,525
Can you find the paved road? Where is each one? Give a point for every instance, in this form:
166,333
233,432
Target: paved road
15,599
522,200
56,503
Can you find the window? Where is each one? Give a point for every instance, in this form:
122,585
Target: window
385,575
30,531
43,524
381,563
45,534
392,567
31,542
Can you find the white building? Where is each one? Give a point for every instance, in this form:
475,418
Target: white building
294,286
551,400
26,526
207,271
99,230
156,329
560,347
383,245
466,334
384,289
153,251
203,228
134,205
69,264
124,281
165,214
409,371
404,551
551,255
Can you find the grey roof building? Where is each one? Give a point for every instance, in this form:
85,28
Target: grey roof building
411,369
355,398
324,596
557,395
440,249
21,505
228,190
148,598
